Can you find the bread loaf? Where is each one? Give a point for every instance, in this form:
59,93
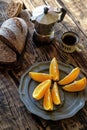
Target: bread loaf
7,55
13,32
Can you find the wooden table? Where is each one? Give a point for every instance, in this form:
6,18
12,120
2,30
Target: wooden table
13,113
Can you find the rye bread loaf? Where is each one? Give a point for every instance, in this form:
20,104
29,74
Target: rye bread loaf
7,55
13,32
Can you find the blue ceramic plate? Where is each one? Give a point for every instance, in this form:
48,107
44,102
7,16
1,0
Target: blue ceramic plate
71,102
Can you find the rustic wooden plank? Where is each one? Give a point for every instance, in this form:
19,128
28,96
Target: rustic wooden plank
20,1
53,3
78,10
31,4
9,1
45,53
28,5
73,25
13,114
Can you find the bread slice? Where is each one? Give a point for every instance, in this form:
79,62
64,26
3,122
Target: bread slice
14,32
14,8
7,55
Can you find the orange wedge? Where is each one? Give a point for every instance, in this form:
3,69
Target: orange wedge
39,77
55,94
53,69
47,102
40,90
70,77
76,86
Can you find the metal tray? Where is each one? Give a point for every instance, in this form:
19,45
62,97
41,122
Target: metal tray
71,102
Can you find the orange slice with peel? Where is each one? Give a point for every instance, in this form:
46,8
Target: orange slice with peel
40,77
40,90
47,102
70,77
76,86
55,94
53,69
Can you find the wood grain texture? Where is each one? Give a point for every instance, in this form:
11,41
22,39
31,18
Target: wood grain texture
13,113
11,108
78,11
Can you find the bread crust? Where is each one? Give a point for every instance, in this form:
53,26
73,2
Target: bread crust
14,32
7,55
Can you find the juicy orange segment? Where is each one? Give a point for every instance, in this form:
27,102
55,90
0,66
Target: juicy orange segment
70,77
53,69
55,94
40,90
39,77
76,86
47,102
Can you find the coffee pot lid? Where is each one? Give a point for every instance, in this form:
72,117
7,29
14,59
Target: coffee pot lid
45,15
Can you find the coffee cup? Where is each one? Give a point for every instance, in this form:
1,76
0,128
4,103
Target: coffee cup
70,42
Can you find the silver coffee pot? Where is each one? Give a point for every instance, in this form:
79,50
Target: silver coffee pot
44,18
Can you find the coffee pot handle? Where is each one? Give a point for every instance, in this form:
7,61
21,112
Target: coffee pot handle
63,13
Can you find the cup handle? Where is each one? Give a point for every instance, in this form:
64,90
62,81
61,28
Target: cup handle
79,47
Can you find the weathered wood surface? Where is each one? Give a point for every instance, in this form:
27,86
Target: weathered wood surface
13,113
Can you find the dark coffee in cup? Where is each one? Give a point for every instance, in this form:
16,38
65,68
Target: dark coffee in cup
69,39
70,42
